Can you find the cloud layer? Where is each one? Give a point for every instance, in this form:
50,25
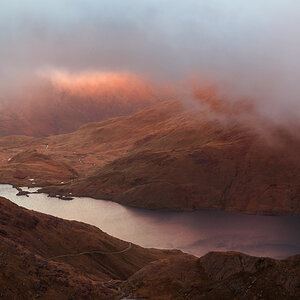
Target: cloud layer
250,49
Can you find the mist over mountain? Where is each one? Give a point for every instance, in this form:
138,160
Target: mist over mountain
248,49
60,102
149,115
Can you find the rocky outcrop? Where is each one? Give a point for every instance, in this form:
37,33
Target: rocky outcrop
217,275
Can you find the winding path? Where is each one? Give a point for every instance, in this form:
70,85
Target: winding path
93,252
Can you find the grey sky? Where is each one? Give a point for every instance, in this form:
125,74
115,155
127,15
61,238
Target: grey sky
253,46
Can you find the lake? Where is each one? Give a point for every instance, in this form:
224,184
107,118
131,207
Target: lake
193,232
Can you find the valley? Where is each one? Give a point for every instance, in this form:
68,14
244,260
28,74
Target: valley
149,150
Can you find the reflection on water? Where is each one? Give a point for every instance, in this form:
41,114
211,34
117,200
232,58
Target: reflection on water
194,232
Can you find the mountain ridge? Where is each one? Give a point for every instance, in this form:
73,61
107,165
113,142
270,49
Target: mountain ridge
169,156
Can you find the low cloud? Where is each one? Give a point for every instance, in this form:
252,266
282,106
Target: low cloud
248,50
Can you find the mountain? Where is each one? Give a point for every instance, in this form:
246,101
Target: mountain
170,156
217,275
31,267
50,258
63,103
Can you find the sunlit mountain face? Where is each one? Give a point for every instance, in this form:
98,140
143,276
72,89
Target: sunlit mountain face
59,102
93,84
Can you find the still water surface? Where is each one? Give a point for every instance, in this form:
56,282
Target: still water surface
194,232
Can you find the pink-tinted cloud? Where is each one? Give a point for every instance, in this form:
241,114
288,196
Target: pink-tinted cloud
249,49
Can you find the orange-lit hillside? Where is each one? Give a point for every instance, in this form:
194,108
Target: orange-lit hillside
60,102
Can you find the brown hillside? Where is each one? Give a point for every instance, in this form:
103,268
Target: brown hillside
173,157
216,275
29,241
167,157
31,266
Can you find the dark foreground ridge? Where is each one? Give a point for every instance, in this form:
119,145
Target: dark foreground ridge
50,258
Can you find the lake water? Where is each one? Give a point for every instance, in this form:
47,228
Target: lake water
193,232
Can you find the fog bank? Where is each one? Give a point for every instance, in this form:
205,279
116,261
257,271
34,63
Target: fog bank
247,49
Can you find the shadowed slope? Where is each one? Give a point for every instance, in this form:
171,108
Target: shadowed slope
51,258
49,237
217,275
36,257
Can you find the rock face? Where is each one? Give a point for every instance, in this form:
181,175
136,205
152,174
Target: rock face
25,275
217,276
169,157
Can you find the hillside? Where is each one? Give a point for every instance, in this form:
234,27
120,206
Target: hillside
50,258
217,275
31,244
173,157
61,103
